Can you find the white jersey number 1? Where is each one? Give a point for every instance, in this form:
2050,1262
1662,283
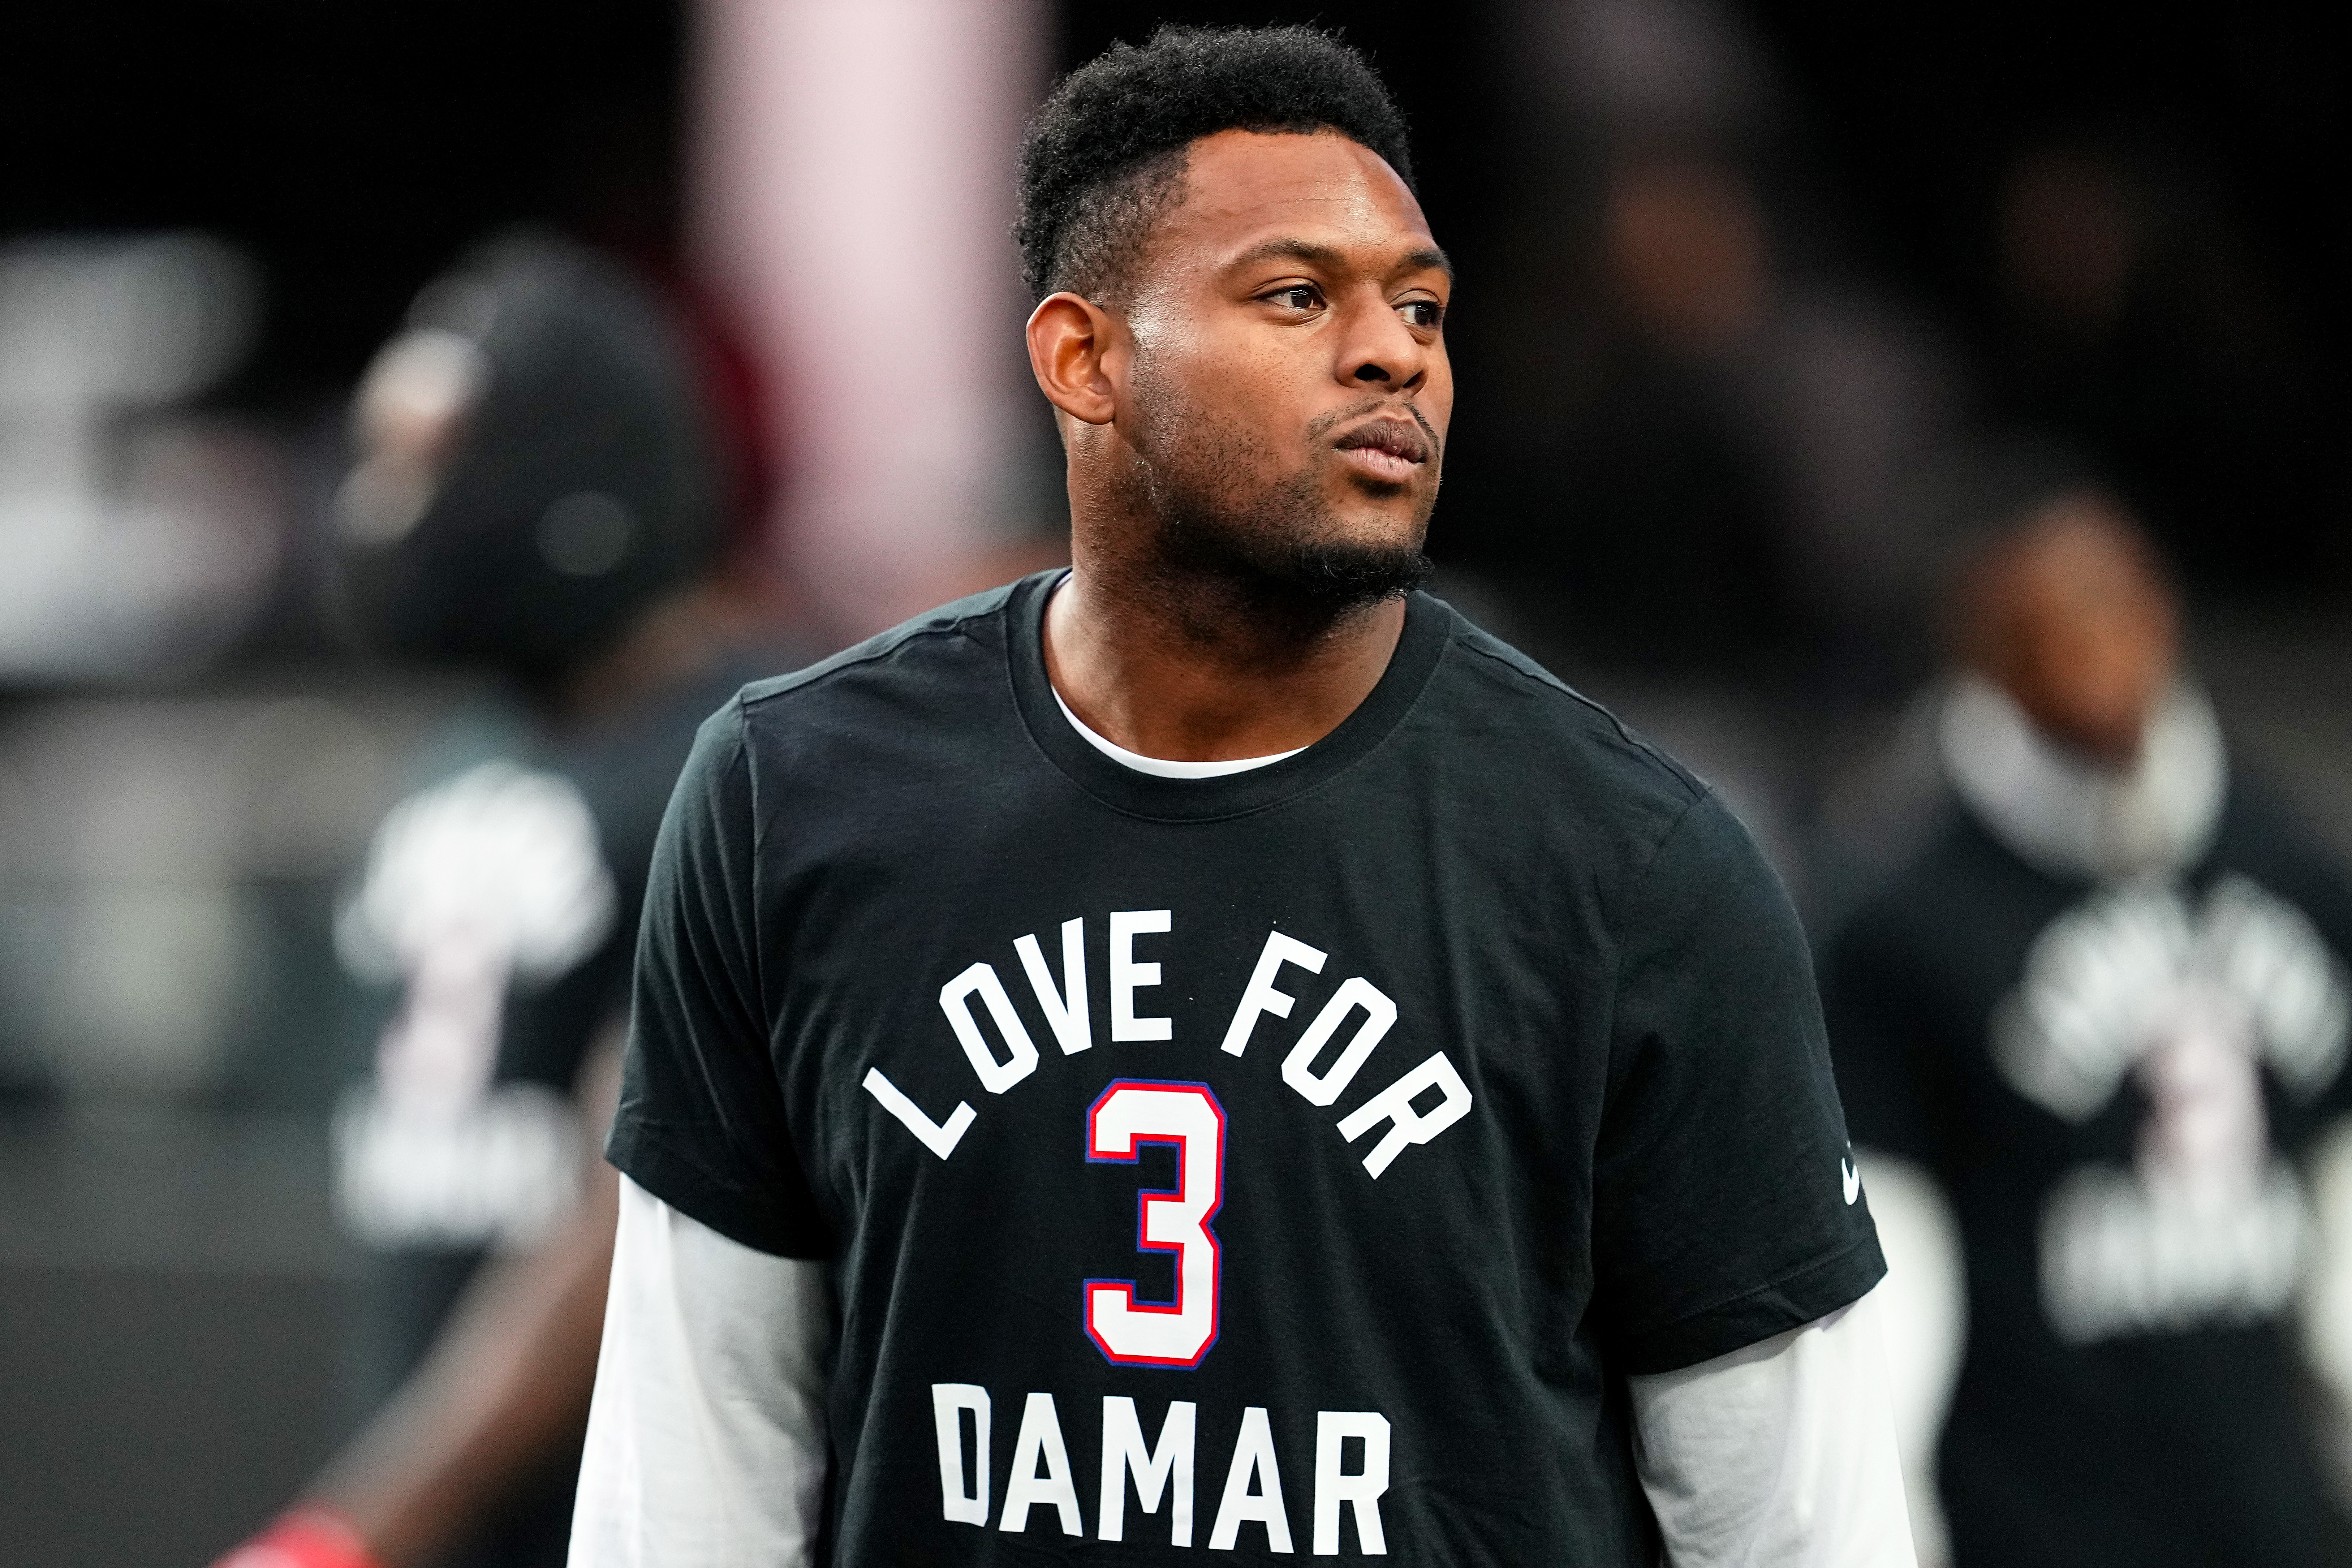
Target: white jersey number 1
1129,1113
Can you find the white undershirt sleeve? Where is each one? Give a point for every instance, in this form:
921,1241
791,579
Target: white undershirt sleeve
706,1438
1779,1455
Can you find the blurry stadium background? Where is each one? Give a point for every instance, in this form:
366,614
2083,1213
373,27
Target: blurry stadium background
1744,287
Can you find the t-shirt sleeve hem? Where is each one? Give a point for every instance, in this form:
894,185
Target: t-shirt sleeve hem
1812,1292
736,1214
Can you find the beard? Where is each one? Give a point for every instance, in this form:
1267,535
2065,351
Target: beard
1279,547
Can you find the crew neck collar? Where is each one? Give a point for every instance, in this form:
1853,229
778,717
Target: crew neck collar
1152,794
2065,816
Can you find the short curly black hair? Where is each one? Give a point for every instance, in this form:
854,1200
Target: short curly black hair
1105,153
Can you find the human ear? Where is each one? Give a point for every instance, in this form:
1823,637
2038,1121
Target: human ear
1070,340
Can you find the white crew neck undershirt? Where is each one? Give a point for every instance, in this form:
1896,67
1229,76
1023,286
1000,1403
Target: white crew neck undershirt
1160,767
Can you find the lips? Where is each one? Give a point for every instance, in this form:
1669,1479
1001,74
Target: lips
1396,438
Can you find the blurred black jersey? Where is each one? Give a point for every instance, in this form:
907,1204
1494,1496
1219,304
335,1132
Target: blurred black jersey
2115,1083
1292,1160
495,918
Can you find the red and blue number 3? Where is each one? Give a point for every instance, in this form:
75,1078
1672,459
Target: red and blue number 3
1130,1113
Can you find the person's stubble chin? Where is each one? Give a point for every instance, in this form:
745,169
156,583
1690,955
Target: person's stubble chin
1198,480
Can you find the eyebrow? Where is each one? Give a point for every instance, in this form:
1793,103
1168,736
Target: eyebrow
1421,259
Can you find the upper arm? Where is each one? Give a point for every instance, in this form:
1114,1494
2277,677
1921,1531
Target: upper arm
1721,1210
701,1123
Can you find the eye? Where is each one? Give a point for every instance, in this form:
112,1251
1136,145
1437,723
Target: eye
1295,296
1426,314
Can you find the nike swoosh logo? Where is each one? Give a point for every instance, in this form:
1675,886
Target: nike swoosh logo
1853,1179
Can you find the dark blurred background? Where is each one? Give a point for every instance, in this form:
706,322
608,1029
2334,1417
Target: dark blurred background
1745,289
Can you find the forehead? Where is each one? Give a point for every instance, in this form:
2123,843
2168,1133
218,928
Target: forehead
1242,187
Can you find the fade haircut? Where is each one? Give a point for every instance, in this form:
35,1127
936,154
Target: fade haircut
1104,158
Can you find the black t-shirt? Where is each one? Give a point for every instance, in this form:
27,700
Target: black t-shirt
2113,1084
1327,1140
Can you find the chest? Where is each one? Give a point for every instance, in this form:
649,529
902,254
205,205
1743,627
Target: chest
973,1021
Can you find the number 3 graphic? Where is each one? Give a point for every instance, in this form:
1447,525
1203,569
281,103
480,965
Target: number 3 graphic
1178,1334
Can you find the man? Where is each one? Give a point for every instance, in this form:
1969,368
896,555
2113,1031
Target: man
540,495
2103,1009
1210,1051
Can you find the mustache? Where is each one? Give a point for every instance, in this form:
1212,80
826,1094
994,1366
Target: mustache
1323,424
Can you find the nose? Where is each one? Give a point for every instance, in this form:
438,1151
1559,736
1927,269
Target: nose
1377,349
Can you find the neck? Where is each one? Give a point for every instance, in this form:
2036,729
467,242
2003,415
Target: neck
1194,667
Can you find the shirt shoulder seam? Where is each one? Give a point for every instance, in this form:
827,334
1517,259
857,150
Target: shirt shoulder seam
759,849
776,687
1544,682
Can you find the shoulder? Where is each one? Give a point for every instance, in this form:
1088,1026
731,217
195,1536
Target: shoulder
936,642
925,706
1535,732
920,684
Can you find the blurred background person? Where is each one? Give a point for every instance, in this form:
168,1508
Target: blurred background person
541,490
2103,1011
